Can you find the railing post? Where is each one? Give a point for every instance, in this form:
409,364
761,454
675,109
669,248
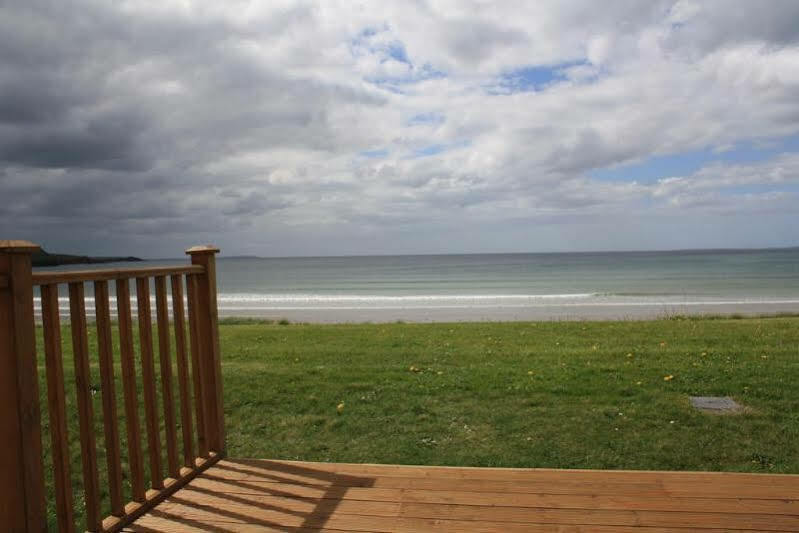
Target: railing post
22,505
210,360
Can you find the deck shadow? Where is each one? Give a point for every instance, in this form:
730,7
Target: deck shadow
253,484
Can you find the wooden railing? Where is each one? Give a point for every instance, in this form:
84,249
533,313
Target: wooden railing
199,388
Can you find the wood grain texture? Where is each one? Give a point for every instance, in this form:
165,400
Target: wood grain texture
14,246
22,503
108,274
154,497
210,354
56,406
194,341
105,351
165,362
178,317
84,386
27,385
128,364
148,382
12,501
247,495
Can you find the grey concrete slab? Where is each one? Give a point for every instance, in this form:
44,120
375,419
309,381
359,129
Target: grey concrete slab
716,404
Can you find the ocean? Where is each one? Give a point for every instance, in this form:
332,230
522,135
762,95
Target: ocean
508,286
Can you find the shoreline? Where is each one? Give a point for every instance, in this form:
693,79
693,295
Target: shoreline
551,312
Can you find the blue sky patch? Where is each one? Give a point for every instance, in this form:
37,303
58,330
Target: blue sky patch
395,84
390,50
373,154
396,50
686,163
432,149
432,117
534,77
437,148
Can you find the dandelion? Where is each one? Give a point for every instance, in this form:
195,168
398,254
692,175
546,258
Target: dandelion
439,372
672,421
530,372
340,407
668,378
629,355
639,382
704,353
414,368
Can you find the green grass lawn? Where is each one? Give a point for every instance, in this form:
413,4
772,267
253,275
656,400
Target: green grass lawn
611,395
540,394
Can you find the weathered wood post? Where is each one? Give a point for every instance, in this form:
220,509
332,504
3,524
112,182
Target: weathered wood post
22,505
208,333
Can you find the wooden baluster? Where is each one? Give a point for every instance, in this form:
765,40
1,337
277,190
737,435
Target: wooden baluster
165,359
56,403
129,387
148,382
80,349
194,341
22,503
208,332
105,351
183,369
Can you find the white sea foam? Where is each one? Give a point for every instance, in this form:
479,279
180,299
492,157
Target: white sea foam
374,298
244,303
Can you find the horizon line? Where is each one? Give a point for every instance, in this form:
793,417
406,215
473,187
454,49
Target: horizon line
586,252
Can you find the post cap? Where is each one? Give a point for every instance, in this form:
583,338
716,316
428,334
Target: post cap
203,249
18,246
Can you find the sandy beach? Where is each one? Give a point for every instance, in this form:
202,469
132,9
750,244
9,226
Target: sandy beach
599,311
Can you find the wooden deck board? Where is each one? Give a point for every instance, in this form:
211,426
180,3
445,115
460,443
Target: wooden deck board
262,495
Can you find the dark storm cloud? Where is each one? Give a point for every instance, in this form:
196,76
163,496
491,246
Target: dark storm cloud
33,99
106,142
735,21
110,113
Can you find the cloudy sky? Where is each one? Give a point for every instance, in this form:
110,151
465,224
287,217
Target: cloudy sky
319,128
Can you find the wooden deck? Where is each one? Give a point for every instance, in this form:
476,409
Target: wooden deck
262,495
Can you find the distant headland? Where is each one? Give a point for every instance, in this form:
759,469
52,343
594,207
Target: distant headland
46,259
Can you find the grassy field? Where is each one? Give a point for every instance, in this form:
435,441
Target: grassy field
610,395
547,394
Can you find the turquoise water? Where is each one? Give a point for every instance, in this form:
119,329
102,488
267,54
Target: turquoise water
762,273
685,278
